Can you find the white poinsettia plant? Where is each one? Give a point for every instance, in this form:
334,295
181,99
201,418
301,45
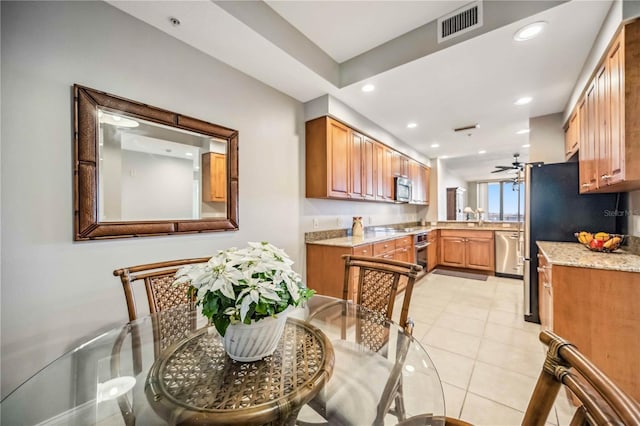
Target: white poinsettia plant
244,285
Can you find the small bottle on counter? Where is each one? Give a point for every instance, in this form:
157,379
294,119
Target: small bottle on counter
357,229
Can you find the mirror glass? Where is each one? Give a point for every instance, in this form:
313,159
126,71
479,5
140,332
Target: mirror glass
141,170
149,171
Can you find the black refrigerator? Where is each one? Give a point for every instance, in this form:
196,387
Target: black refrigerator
554,211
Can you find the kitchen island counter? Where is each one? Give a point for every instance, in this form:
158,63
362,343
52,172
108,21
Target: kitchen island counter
575,254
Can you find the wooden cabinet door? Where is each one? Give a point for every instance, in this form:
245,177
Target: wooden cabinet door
368,170
616,160
356,161
338,153
572,135
432,255
545,294
378,166
591,171
480,254
387,175
584,146
384,177
603,148
426,183
452,251
214,177
402,254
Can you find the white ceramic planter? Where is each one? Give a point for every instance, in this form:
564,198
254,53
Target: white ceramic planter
251,342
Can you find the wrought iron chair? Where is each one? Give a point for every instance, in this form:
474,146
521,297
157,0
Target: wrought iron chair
603,402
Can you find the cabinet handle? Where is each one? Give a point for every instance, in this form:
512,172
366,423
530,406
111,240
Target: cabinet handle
605,177
546,285
542,269
364,251
586,185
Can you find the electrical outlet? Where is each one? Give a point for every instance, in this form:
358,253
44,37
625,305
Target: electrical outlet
369,221
316,223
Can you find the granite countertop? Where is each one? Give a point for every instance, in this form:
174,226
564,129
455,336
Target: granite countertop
374,237
575,254
369,237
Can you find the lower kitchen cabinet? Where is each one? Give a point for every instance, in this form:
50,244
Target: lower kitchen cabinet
467,249
597,311
545,293
325,266
432,250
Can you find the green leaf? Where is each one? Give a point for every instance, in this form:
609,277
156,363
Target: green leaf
221,322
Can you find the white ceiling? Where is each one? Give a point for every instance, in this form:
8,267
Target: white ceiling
475,81
357,26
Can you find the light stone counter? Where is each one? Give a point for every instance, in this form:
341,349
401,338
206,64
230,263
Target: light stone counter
374,237
368,238
575,254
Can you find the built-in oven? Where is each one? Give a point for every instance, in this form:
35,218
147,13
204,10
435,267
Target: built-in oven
421,243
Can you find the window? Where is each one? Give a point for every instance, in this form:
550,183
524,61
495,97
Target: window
500,200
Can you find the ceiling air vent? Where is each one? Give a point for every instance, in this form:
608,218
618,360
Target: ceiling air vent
460,21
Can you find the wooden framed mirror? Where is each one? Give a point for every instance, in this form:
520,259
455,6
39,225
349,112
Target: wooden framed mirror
141,170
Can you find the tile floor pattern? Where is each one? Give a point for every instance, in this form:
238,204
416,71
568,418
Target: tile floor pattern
487,356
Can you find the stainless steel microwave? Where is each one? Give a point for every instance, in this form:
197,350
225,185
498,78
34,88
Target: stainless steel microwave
402,188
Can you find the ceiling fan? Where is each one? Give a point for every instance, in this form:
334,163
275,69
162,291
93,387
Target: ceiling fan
516,165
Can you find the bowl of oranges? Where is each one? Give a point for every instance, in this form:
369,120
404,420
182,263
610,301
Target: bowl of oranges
601,241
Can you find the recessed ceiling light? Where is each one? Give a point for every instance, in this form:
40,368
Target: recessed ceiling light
526,145
435,145
529,31
444,157
412,125
482,151
523,132
523,101
189,154
368,88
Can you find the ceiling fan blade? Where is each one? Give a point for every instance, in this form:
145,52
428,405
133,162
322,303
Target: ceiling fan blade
504,167
498,171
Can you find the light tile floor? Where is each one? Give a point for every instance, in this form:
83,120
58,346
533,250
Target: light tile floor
487,356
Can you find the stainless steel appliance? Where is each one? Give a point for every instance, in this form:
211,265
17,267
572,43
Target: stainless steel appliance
509,246
554,210
402,189
420,242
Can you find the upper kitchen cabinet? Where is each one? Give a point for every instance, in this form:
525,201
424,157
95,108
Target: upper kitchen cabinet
420,176
400,165
609,118
343,163
214,177
383,160
327,162
572,135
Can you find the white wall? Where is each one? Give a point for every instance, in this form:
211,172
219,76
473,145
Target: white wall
546,138
156,187
56,293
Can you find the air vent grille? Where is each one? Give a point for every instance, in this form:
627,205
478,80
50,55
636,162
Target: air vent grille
460,21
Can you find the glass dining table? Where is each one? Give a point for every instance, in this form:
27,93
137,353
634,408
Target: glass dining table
336,363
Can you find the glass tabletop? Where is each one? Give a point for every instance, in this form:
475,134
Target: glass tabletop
380,374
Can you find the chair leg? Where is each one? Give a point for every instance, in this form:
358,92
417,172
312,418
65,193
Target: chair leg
401,413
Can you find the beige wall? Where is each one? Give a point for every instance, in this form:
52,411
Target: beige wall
546,139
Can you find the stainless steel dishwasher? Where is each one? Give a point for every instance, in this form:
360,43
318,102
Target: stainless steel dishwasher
509,245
